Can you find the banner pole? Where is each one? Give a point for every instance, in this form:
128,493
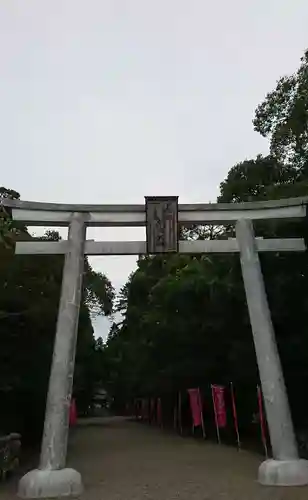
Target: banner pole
159,413
262,426
180,413
175,417
201,413
235,417
215,413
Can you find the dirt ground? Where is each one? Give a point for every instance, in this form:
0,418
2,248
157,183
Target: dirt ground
121,460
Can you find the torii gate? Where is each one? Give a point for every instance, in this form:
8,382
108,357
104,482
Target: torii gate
161,216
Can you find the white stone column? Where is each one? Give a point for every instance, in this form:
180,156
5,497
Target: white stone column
285,469
52,479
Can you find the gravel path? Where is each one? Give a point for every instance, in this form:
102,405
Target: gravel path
122,460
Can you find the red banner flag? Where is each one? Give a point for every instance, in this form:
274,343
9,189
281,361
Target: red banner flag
195,406
73,413
262,419
218,392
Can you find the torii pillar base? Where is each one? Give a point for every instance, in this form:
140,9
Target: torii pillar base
50,484
283,473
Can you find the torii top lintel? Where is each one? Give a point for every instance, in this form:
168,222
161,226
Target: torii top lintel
59,214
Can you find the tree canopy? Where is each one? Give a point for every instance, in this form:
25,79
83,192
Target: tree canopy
29,298
283,117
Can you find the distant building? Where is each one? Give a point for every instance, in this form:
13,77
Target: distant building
101,398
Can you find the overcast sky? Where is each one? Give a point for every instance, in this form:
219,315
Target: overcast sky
106,101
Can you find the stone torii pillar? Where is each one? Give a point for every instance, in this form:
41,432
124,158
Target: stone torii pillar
52,479
285,469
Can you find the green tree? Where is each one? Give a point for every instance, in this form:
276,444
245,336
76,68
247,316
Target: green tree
29,299
283,117
263,178
185,318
